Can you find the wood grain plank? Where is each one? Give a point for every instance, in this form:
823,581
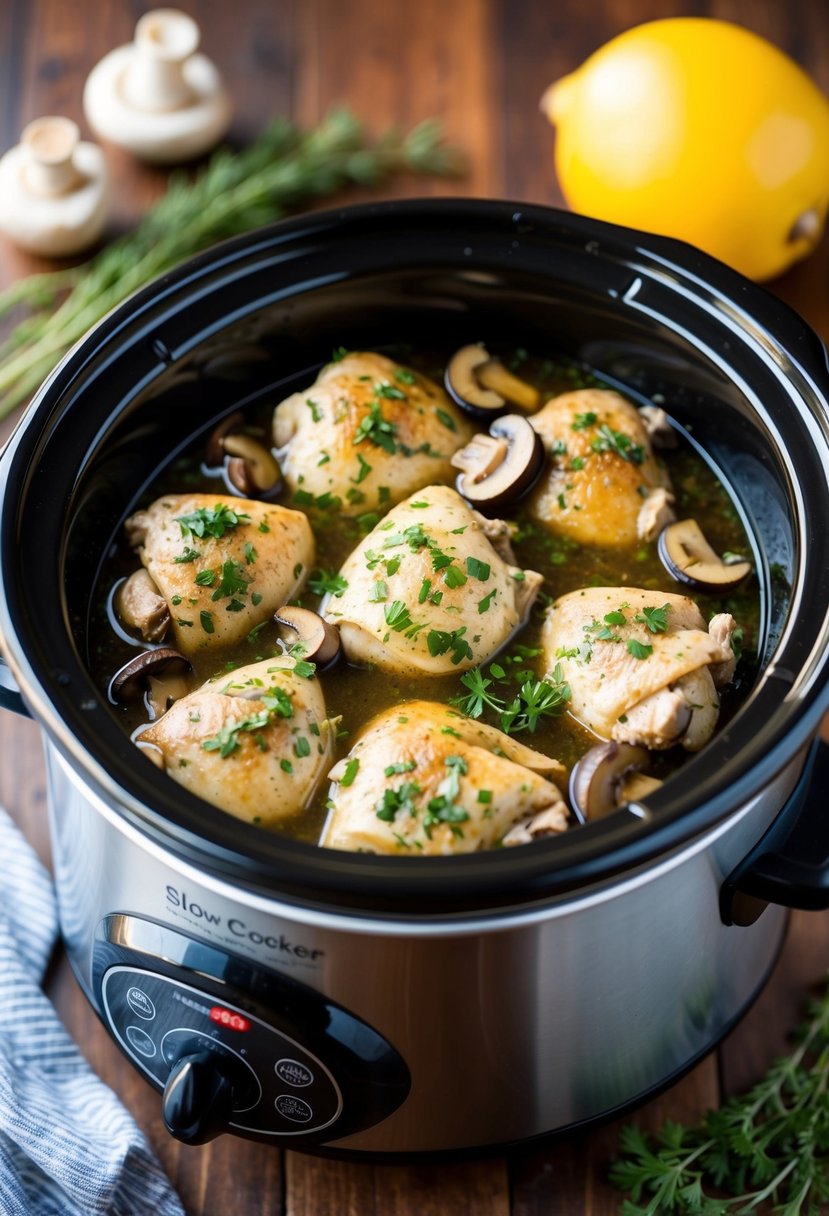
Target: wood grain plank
404,64
317,1187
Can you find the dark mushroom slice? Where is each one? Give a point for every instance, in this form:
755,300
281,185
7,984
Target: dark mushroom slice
252,469
464,387
597,781
165,669
499,379
499,468
214,452
635,785
688,557
140,606
320,640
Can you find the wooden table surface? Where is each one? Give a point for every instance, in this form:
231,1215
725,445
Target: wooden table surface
481,66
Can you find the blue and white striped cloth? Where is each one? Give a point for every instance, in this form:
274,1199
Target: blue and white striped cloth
67,1146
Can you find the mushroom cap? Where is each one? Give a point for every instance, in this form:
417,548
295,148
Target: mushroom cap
688,557
464,387
319,638
130,681
596,780
499,468
214,451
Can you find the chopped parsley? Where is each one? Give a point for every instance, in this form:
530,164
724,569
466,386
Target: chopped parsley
206,619
364,469
211,521
326,582
582,421
189,555
397,800
316,412
654,619
639,650
446,419
608,440
440,642
483,605
477,569
377,429
276,703
351,769
233,581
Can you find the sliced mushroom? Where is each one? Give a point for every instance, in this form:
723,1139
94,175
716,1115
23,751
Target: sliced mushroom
688,557
656,512
214,452
252,469
464,386
499,468
596,782
635,785
319,639
141,607
482,385
165,667
493,375
658,425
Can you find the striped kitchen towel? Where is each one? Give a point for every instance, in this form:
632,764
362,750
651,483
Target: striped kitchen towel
67,1146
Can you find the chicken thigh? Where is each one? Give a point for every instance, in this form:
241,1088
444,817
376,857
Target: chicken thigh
639,664
254,743
222,564
426,592
601,470
368,432
424,780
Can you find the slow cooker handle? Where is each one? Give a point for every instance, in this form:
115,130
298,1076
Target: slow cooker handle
10,697
790,864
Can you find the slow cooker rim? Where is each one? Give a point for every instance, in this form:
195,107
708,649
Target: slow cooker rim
301,866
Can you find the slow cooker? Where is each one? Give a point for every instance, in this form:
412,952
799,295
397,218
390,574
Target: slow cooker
361,1004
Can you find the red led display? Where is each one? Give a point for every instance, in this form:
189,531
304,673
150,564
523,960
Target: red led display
226,1017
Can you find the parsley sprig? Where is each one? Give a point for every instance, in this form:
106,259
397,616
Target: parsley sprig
535,700
767,1150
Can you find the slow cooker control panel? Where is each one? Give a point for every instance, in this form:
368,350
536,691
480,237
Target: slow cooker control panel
171,1029
236,1046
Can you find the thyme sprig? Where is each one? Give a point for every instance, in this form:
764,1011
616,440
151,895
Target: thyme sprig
285,168
765,1151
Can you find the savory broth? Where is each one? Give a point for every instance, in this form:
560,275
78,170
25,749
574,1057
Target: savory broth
354,694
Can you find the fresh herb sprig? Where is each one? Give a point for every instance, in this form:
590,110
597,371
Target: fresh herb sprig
284,169
535,700
765,1151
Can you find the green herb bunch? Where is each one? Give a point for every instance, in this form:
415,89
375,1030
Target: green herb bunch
767,1151
284,169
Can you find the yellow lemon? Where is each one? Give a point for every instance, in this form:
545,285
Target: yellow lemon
698,129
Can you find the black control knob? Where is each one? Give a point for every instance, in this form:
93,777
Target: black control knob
198,1097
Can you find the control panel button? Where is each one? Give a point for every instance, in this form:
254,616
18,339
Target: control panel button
140,1003
141,1041
293,1108
293,1073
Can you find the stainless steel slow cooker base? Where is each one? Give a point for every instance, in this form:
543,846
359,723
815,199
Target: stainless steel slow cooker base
510,1026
